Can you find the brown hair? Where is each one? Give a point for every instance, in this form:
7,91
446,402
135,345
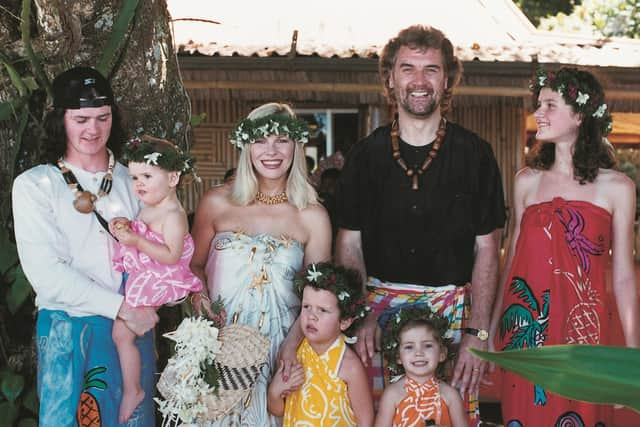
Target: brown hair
421,37
591,150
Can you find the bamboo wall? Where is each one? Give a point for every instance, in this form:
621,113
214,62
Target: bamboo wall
501,120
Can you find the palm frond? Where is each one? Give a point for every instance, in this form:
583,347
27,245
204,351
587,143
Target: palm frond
521,289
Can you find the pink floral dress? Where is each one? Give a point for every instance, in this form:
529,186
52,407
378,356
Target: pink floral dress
149,282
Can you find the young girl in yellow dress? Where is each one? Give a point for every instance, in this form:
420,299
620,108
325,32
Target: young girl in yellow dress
414,343
329,388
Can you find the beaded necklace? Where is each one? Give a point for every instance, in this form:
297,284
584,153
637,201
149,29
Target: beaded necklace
271,200
395,146
84,200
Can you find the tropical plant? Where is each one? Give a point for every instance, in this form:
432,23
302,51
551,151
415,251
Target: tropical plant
607,18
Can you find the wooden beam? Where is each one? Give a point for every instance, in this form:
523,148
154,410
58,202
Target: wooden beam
506,91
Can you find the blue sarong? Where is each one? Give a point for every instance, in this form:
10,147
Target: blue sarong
79,377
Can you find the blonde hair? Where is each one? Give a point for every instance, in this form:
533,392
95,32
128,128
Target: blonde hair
245,186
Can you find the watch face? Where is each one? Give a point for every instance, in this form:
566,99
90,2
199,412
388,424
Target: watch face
483,335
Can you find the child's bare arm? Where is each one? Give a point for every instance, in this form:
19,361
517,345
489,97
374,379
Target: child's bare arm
388,402
354,375
279,388
454,402
173,230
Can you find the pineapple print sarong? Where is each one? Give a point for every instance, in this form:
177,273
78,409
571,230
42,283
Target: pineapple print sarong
555,294
323,399
450,302
422,402
79,381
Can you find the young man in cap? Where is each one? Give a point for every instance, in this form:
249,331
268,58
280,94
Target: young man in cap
59,210
420,206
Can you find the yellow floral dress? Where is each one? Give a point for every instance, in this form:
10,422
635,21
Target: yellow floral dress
323,399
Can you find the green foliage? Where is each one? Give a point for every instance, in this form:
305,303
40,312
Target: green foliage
119,36
536,9
18,400
15,286
197,119
590,373
606,18
629,164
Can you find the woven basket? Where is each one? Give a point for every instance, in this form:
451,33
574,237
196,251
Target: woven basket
243,352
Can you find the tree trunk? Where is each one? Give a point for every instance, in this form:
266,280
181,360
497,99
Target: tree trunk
144,71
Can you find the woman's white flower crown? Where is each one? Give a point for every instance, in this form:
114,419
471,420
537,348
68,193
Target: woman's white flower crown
249,131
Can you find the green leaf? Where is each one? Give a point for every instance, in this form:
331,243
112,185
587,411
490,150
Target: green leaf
31,83
118,36
578,371
8,412
197,119
18,291
6,108
8,252
28,422
11,386
31,400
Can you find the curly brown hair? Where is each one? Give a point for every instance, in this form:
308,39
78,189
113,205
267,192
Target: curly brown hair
591,150
395,321
421,37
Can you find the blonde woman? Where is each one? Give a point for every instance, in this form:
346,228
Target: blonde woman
252,235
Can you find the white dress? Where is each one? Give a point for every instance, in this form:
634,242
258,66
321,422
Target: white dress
254,276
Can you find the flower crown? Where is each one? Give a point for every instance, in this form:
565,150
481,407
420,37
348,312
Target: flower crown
392,321
575,92
344,283
158,152
249,131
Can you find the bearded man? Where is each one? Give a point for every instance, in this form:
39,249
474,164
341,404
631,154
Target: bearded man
421,207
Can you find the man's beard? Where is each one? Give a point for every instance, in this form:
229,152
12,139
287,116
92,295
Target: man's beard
421,112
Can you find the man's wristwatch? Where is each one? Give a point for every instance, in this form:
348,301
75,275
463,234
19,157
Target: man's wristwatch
481,334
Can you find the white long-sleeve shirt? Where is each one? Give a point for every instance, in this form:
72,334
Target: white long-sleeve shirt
65,254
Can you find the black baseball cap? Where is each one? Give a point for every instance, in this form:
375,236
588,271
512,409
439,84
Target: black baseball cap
81,87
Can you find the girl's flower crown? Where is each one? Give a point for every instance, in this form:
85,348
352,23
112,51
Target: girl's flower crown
393,320
575,92
159,152
344,283
249,131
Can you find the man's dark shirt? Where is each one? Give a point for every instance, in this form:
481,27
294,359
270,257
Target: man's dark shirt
425,236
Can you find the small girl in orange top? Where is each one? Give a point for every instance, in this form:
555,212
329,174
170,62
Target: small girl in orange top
330,386
414,342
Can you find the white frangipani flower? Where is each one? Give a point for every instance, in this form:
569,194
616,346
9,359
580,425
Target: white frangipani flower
582,98
600,111
313,274
152,159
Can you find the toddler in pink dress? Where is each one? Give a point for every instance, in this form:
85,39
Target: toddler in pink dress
154,249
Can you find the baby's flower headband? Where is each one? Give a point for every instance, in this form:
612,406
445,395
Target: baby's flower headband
158,152
575,92
249,131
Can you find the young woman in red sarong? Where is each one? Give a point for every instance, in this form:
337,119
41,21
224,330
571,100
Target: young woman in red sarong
573,214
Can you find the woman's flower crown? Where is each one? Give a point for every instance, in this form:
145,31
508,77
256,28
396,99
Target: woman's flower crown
249,131
392,320
575,92
344,283
158,152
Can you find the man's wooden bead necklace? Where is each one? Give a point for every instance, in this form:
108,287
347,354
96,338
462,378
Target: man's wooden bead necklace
413,174
271,200
85,200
